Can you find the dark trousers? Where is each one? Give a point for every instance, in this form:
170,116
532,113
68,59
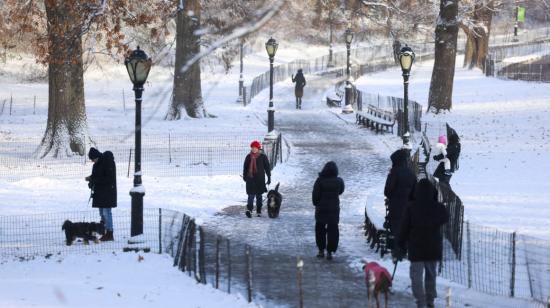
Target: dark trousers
327,236
250,203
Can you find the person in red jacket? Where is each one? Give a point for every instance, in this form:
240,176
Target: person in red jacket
256,167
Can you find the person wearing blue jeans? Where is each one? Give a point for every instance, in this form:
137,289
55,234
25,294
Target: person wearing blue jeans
256,167
102,182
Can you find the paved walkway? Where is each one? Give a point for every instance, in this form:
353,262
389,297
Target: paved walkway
316,135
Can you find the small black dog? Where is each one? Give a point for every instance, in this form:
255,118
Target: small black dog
84,230
274,200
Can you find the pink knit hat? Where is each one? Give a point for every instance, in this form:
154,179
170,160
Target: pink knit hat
442,139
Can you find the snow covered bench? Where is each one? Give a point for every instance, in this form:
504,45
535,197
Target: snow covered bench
335,99
376,119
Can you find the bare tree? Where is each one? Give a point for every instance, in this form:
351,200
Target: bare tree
57,28
476,24
446,33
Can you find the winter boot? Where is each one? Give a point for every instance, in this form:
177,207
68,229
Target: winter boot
329,255
248,214
321,254
108,237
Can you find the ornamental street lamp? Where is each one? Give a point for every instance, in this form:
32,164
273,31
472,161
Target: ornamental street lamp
406,59
138,65
349,38
271,48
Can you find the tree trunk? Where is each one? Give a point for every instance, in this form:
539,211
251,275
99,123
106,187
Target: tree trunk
477,45
446,33
187,92
66,129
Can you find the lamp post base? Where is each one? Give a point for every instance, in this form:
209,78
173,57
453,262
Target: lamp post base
137,194
347,109
271,136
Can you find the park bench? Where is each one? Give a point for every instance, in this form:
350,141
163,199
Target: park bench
336,99
426,149
376,119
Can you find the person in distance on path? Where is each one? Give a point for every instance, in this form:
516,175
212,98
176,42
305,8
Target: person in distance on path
300,81
326,198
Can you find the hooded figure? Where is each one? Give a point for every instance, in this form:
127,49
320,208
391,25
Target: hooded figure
442,172
420,234
399,187
326,198
300,81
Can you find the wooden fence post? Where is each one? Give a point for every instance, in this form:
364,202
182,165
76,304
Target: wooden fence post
160,230
34,106
248,272
11,102
300,266
448,298
469,252
228,267
169,148
513,276
218,262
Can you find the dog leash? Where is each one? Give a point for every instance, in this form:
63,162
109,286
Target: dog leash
394,268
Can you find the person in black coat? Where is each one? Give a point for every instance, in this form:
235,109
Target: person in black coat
256,167
398,189
420,234
104,190
453,153
326,191
300,81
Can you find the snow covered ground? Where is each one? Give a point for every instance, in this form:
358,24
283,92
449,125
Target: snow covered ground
106,280
495,126
504,132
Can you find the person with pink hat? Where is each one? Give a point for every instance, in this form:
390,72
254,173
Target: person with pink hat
256,167
441,153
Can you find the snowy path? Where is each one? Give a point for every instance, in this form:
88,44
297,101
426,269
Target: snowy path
316,135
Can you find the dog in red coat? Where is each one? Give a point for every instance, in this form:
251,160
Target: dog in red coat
378,280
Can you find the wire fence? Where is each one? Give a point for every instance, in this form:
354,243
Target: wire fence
162,155
366,59
484,258
500,61
227,264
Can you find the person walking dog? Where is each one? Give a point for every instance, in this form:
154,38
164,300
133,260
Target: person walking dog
420,234
256,167
300,81
102,181
326,198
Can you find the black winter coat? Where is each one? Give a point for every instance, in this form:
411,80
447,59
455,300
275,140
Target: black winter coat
256,185
420,226
326,198
399,185
103,181
453,151
300,81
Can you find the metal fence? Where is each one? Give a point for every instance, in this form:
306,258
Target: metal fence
520,68
228,264
366,59
162,155
487,259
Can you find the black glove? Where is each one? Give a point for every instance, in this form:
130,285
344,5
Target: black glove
88,178
268,180
438,157
398,254
244,179
90,185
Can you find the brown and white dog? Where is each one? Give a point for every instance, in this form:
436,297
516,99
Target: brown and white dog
378,280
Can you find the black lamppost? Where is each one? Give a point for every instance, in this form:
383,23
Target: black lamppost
406,59
241,80
349,38
330,64
271,48
138,65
